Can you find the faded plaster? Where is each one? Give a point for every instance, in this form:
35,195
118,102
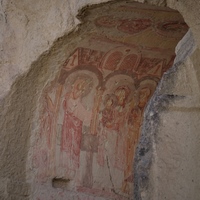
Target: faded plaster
31,32
91,113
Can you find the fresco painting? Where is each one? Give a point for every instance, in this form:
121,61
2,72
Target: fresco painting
130,26
91,114
99,108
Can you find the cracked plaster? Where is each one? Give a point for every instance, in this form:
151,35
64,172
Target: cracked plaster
23,40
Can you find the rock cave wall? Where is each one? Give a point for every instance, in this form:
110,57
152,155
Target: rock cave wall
29,63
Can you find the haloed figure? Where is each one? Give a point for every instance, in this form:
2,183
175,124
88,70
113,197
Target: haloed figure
121,110
75,115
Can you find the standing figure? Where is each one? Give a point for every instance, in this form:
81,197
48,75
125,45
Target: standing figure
107,122
144,92
134,123
120,118
44,143
75,115
48,122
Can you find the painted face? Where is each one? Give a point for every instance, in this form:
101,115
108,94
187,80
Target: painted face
109,103
78,89
121,96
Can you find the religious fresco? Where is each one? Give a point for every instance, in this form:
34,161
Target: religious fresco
91,114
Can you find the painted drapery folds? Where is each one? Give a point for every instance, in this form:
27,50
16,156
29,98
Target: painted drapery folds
92,112
91,119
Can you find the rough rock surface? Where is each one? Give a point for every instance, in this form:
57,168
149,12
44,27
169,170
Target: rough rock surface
170,133
29,30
